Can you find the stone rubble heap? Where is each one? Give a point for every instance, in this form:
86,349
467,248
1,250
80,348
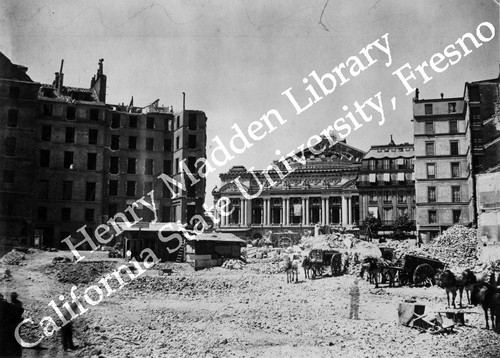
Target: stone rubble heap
233,264
13,257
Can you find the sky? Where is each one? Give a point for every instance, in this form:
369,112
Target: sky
233,59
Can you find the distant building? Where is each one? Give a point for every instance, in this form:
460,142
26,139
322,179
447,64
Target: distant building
72,159
442,174
320,191
386,183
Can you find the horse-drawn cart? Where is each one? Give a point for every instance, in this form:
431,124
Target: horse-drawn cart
418,270
320,260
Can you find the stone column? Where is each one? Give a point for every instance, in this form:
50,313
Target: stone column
248,205
264,219
327,210
307,211
287,211
349,208
344,210
303,217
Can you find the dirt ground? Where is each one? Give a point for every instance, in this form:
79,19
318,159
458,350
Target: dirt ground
241,313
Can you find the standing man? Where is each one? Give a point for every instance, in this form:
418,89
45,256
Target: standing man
14,300
67,329
354,293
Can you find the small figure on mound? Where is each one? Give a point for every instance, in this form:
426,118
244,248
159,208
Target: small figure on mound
67,329
354,293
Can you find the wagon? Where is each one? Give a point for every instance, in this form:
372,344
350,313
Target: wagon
320,260
418,270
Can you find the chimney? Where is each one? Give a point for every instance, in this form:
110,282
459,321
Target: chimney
98,82
56,80
61,77
183,101
442,95
417,92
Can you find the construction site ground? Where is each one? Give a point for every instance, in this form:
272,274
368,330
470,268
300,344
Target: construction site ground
238,313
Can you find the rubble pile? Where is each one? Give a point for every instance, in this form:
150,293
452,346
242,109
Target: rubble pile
80,274
233,264
268,266
327,241
13,257
185,285
456,247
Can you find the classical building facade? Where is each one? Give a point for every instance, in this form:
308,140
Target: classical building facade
442,171
386,183
321,190
80,161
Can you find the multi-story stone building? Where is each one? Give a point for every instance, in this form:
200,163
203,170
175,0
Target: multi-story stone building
442,175
80,161
19,110
322,190
386,184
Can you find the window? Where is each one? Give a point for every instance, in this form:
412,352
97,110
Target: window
44,158
167,167
148,186
429,127
148,168
454,126
132,122
178,122
47,109
132,142
371,164
114,165
428,109
130,188
372,197
112,209
10,146
71,113
90,191
115,142
41,213
150,143
91,161
192,121
432,217
150,122
455,170
177,142
454,147
192,141
455,194
167,145
452,107
89,215
456,216
66,214
93,136
43,189
431,194
113,188
386,163
387,196
165,213
115,120
68,160
131,165
14,92
9,176
70,135
431,171
401,197
191,164
429,148
176,168
12,118
94,114
46,133
67,190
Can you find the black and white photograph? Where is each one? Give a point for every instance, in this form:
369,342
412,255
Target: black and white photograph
215,178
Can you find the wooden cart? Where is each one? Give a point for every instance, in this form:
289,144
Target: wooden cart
418,270
321,260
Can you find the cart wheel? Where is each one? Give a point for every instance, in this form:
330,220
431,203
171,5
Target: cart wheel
423,274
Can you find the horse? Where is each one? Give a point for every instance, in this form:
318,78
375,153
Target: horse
306,265
292,269
467,280
447,280
488,297
376,266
